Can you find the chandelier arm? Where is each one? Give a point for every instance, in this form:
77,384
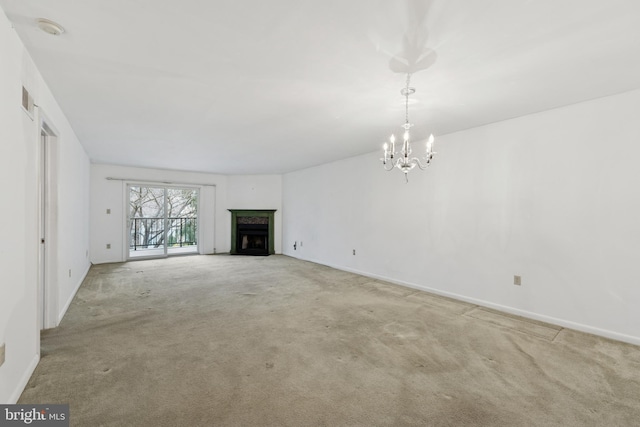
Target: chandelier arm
391,166
418,162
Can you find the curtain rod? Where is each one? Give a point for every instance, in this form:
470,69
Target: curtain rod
109,178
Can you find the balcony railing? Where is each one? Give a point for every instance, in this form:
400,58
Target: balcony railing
145,233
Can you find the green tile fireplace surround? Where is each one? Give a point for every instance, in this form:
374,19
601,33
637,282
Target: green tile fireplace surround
258,216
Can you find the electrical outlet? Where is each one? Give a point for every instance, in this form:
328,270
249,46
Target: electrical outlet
108,211
108,245
354,251
517,280
1,354
69,272
300,243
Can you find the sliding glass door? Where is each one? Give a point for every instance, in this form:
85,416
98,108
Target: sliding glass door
162,221
182,220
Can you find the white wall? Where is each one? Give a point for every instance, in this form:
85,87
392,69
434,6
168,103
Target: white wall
218,194
19,171
71,211
552,197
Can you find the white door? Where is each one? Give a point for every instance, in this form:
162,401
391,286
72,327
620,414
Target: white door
47,225
42,256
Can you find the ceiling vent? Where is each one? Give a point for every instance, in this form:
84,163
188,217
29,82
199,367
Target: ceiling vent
27,102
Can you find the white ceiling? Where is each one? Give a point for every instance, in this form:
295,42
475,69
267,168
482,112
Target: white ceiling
258,86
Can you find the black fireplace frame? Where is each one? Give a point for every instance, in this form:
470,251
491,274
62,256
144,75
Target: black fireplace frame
236,246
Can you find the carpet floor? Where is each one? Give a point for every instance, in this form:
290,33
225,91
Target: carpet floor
274,341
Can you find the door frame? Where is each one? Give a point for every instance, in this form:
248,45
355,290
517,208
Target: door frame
165,186
47,223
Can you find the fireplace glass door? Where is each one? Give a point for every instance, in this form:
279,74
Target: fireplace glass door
253,236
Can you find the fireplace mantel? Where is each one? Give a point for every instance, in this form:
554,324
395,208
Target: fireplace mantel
251,213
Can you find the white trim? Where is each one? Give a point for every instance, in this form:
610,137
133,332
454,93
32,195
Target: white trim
200,236
124,249
523,313
169,183
73,294
215,221
24,380
49,294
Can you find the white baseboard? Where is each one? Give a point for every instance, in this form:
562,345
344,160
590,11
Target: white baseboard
24,380
511,310
73,295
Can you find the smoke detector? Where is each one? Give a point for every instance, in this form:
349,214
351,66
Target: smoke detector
50,27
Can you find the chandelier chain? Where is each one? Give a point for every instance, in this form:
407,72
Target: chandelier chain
406,100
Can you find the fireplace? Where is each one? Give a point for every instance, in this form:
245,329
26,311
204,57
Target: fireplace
252,232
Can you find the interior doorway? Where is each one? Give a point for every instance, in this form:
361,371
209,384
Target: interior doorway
47,301
162,221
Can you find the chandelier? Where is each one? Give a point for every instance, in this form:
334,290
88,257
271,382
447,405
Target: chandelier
404,161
